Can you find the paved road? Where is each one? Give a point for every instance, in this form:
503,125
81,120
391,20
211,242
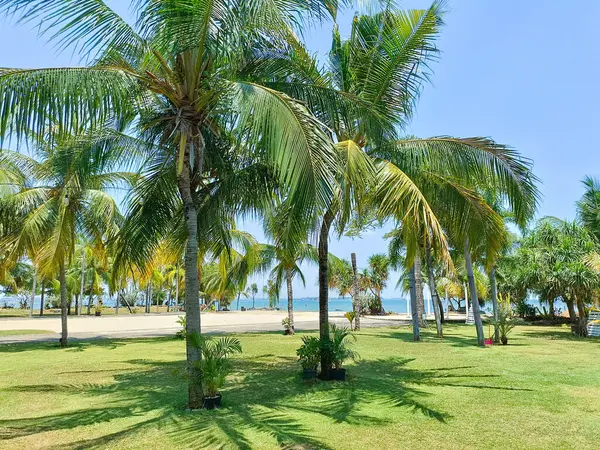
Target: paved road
150,325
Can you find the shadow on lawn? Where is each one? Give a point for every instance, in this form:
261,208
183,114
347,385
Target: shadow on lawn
265,398
78,345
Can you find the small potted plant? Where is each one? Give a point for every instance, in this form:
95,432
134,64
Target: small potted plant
215,364
308,355
98,309
287,326
340,350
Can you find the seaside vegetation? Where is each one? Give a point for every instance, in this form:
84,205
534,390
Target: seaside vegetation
207,113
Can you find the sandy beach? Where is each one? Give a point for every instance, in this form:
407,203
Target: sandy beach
146,325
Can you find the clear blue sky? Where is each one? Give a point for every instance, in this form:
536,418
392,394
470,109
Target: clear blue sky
525,73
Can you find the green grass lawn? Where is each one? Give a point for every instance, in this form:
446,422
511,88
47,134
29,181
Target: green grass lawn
22,332
543,391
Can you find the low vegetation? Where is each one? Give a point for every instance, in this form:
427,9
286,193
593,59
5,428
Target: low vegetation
433,394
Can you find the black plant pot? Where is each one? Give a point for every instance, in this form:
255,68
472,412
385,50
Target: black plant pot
98,313
309,374
212,402
504,340
338,374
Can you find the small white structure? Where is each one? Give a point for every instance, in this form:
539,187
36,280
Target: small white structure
593,327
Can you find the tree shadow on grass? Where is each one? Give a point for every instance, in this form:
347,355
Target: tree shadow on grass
428,335
79,345
564,333
265,398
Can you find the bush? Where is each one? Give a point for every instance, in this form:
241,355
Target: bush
214,365
287,325
181,320
524,309
504,324
309,352
350,315
52,301
340,345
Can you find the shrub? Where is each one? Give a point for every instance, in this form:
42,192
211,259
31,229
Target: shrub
524,309
350,315
504,324
340,345
287,325
309,352
215,364
181,320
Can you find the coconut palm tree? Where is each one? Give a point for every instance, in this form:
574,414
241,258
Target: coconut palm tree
288,251
176,73
253,292
66,196
382,67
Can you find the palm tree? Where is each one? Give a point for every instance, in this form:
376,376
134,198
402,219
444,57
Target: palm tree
176,71
253,292
378,72
67,196
588,207
288,252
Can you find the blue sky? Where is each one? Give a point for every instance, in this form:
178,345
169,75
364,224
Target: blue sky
522,72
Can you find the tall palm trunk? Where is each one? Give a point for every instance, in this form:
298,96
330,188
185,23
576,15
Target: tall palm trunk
290,296
582,319
63,303
89,305
419,291
323,294
414,304
192,299
177,287
434,295
33,291
474,299
494,294
572,317
78,308
355,302
42,298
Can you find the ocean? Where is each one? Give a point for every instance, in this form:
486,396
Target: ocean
398,305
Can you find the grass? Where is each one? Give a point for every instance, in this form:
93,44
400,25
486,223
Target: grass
23,332
106,311
540,392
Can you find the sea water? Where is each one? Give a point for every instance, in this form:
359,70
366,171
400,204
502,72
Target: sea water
399,305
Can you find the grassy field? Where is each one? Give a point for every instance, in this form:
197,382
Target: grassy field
542,391
22,333
17,312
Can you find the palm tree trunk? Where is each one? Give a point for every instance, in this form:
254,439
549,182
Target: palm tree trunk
117,302
474,299
192,299
33,291
290,296
572,317
169,297
323,294
419,291
434,296
42,299
582,319
494,294
78,312
63,303
551,306
177,287
441,308
414,309
355,294
89,305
